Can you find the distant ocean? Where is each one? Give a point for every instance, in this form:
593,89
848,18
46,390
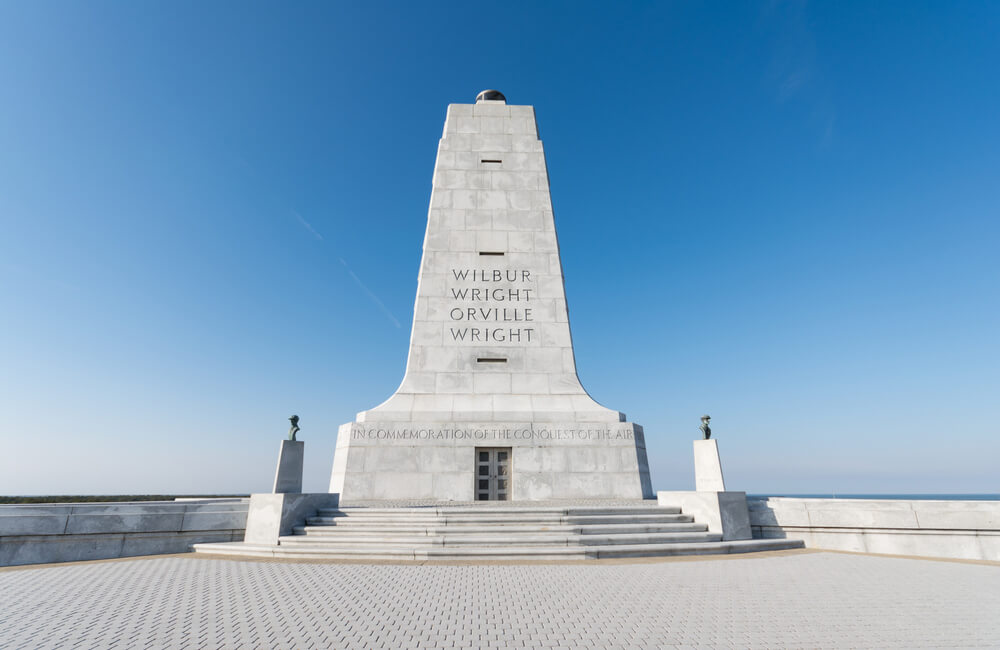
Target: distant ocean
927,497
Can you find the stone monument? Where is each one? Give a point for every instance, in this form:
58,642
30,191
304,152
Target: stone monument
490,406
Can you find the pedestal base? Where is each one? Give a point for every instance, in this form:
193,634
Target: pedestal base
272,515
724,512
441,461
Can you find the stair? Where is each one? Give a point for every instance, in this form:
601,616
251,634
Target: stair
497,533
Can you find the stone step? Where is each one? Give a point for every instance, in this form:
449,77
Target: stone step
243,549
617,519
696,548
473,553
340,520
497,533
470,529
535,539
638,510
516,511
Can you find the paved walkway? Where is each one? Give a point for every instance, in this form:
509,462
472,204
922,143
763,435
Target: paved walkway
798,599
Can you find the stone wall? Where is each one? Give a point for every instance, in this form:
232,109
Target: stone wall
68,532
967,530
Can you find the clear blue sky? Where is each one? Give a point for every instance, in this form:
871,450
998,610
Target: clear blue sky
786,215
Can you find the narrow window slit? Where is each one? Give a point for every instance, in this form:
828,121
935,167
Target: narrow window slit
491,360
491,161
490,253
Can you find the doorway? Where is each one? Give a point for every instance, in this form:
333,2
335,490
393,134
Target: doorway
493,473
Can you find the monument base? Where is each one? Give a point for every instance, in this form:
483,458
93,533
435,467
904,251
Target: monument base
724,512
551,460
272,515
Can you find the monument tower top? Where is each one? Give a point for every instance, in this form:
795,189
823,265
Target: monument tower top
490,96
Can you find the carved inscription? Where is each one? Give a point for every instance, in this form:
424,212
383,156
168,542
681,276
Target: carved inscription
489,433
485,312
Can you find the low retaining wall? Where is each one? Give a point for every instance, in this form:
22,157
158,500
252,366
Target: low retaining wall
69,532
968,530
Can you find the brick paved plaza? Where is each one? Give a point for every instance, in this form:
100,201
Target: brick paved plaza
790,599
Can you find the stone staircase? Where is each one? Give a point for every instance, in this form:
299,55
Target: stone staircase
494,532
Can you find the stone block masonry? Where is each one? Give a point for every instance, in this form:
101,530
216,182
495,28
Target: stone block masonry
551,460
491,362
70,532
968,530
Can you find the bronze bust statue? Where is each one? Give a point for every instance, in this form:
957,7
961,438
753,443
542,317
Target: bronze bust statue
705,429
294,428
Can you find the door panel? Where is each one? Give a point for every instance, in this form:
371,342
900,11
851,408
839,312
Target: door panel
493,473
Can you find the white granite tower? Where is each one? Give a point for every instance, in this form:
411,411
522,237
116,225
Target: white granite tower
490,406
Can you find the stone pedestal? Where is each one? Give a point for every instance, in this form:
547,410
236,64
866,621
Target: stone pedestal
288,477
708,467
272,515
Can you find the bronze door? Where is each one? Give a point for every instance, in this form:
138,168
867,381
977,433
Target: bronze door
493,474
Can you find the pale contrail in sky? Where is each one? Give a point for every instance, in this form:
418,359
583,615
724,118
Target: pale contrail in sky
308,226
385,310
312,231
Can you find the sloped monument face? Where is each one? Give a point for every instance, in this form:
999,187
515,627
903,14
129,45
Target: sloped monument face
490,407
